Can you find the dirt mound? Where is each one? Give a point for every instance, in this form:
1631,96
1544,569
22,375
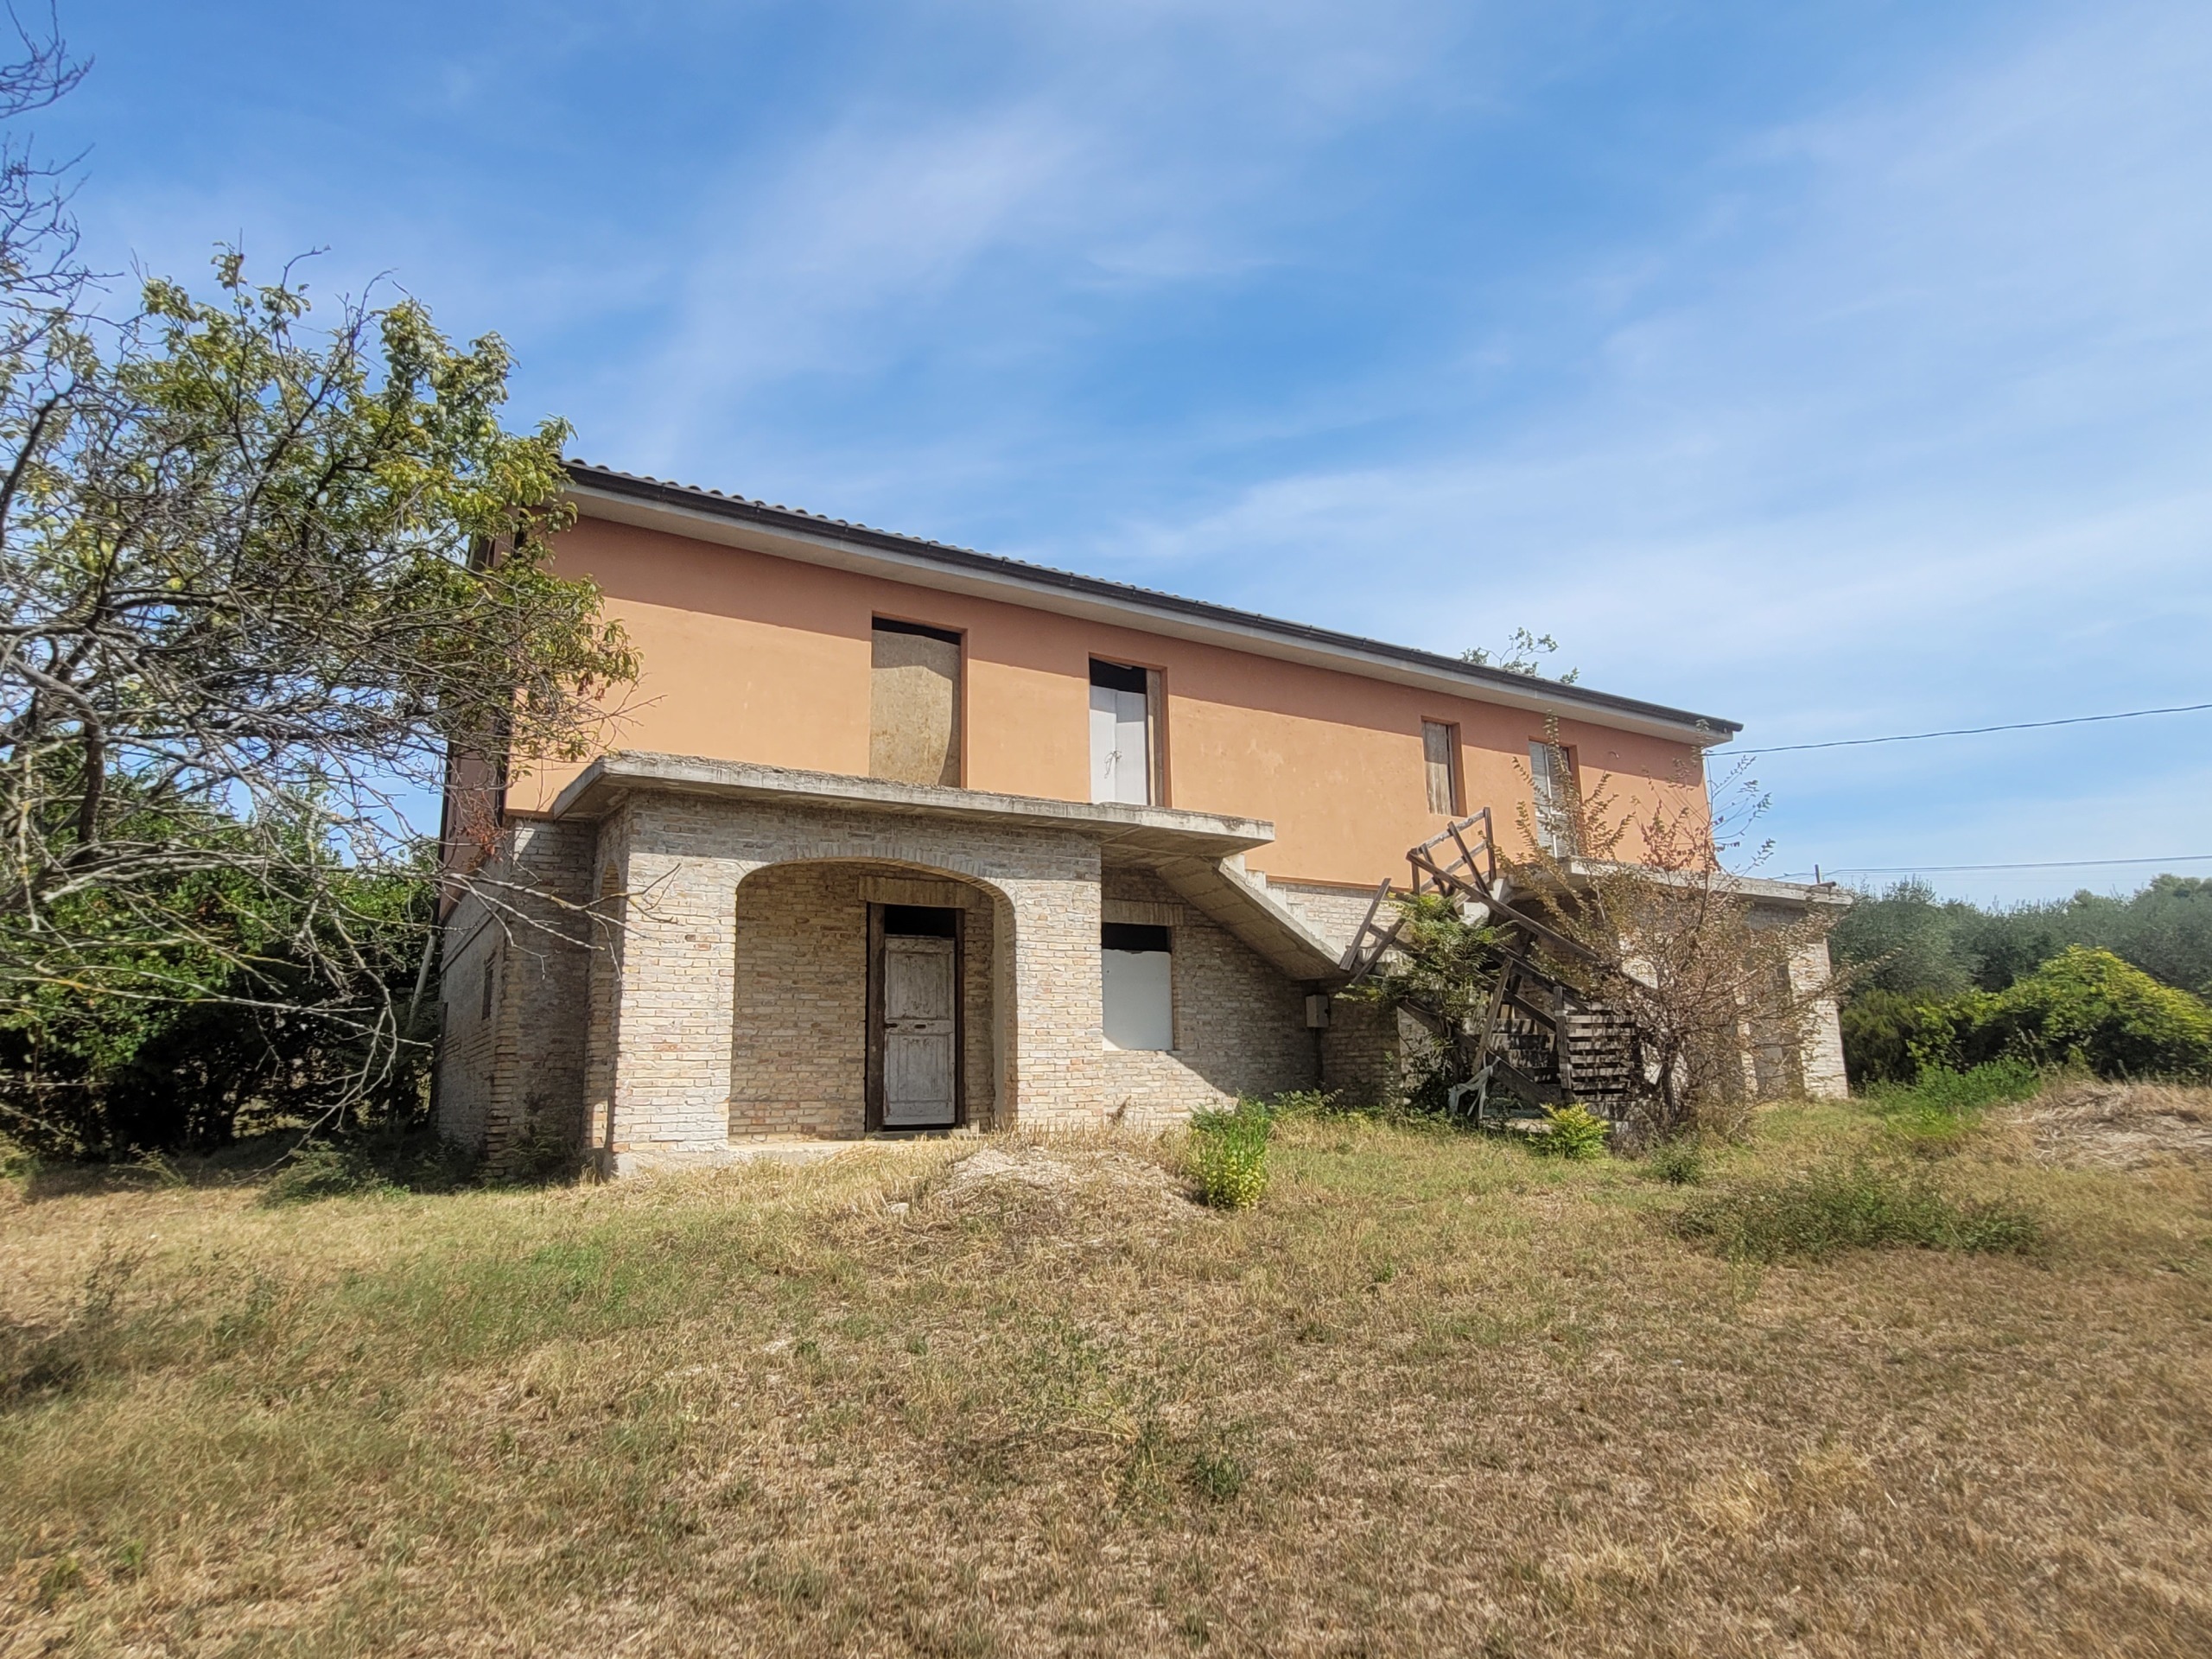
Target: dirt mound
2118,1125
1065,1175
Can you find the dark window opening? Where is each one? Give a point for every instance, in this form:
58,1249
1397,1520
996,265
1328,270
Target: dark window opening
487,991
1115,678
919,921
885,625
1134,936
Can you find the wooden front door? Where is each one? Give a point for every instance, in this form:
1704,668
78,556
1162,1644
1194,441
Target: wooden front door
915,1009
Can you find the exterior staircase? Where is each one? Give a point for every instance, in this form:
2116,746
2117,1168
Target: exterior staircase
1539,1043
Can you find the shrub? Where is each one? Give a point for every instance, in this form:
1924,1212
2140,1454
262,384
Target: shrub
1229,1154
1878,1029
1678,1162
1576,1132
2082,1007
1857,1204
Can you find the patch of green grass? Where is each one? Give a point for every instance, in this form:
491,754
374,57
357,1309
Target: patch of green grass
1941,1105
1855,1204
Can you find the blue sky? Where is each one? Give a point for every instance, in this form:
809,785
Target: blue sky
1841,369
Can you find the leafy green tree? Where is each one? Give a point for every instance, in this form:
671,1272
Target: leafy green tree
260,581
2082,1007
1908,942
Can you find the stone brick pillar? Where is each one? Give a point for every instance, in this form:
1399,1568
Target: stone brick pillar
1822,1060
1053,1023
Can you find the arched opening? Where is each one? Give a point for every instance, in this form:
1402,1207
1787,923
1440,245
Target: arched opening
866,997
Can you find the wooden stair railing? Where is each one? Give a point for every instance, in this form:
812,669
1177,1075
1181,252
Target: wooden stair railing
1539,1041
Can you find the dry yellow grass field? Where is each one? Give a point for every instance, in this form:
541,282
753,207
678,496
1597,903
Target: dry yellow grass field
1434,1395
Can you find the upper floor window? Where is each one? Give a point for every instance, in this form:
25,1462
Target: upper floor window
1439,748
1125,734
914,725
1551,770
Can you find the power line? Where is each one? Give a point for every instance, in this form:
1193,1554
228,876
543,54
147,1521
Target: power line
1974,731
2051,864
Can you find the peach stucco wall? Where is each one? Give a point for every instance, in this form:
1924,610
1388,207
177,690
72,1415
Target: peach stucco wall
750,657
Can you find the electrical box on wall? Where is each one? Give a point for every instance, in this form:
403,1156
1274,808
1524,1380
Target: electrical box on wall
1317,1011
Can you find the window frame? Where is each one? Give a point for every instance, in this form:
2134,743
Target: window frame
1155,693
1455,770
1560,811
880,622
1174,999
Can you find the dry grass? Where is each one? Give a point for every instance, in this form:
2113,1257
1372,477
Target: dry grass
1434,1395
2118,1125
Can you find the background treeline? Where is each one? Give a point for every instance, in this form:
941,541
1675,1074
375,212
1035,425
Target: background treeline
2116,984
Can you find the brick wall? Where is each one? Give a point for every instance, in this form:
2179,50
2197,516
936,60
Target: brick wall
517,1075
670,1026
1240,1026
799,1064
1366,1047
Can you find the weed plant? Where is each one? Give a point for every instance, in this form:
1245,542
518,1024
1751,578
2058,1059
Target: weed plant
1229,1154
1932,1112
1576,1132
1853,1203
368,1164
1677,1162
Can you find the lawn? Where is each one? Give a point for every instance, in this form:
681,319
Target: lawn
1433,1395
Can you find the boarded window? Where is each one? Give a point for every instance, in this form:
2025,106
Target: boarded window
1439,748
1551,770
1139,967
913,735
1122,734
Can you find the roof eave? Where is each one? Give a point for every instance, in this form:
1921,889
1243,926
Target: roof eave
706,515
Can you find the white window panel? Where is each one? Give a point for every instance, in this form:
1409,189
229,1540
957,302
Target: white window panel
1140,997
1119,768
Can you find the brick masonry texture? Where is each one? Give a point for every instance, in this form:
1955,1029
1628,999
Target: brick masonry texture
1240,1026
799,1062
689,975
518,1075
666,1037
1366,1047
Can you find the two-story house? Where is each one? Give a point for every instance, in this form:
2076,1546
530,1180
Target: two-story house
900,836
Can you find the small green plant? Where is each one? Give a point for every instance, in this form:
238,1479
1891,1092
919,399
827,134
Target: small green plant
1678,1162
1854,1204
1957,1094
1229,1154
1576,1132
1218,1476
